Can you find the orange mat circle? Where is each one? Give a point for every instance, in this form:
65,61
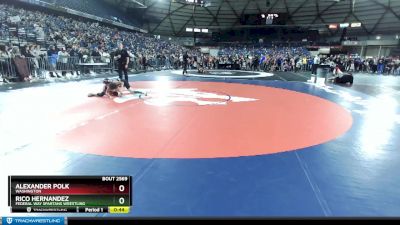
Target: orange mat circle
182,119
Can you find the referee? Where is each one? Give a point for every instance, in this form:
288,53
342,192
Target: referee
122,57
185,63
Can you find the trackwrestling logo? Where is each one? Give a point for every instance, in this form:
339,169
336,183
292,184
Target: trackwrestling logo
33,220
165,97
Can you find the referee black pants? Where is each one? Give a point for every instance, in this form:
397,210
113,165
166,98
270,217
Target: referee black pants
314,69
122,68
185,66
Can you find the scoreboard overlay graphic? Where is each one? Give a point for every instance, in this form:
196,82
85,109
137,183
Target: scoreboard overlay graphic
70,194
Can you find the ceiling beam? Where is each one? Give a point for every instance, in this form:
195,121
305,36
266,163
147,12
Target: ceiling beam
212,15
378,22
216,16
194,12
170,20
184,26
149,7
319,15
233,10
323,11
298,8
387,7
166,16
362,24
287,11
242,13
272,6
265,26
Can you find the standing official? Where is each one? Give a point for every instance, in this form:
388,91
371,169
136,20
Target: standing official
122,57
317,61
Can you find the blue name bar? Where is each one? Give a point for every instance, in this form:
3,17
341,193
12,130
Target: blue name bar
32,220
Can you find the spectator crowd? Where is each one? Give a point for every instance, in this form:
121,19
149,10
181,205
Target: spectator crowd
271,58
88,41
374,65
